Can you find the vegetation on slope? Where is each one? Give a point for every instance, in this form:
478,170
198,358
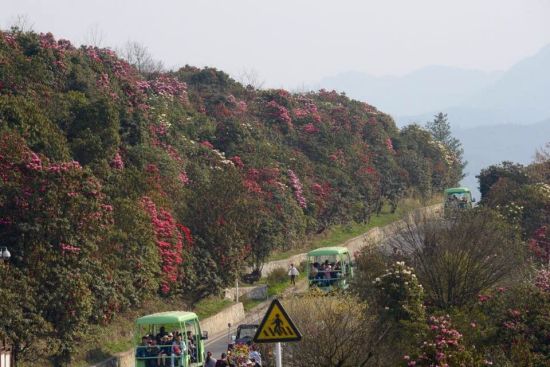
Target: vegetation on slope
117,186
473,290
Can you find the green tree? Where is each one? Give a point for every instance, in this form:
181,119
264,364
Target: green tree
440,128
458,259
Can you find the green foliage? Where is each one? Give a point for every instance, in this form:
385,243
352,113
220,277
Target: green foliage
116,187
493,174
455,260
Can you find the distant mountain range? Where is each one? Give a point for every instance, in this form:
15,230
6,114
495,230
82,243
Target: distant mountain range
520,95
497,115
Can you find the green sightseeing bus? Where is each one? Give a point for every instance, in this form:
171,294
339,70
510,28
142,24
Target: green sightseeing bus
166,337
329,268
457,198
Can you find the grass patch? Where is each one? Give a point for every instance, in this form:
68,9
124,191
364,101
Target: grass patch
210,306
249,304
339,234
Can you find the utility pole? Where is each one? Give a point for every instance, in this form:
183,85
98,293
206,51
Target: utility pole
237,290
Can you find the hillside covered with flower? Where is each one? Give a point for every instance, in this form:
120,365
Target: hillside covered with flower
117,186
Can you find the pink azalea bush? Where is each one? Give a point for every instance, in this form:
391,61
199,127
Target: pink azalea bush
442,347
170,239
297,188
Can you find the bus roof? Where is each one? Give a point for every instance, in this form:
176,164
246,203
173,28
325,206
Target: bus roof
170,317
326,251
456,190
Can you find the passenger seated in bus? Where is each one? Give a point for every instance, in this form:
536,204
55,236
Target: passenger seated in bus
152,354
313,271
141,350
162,332
165,351
178,350
191,346
336,272
327,274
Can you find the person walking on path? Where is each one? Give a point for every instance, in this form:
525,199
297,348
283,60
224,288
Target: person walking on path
293,272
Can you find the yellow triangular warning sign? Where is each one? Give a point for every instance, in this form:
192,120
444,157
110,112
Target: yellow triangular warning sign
276,326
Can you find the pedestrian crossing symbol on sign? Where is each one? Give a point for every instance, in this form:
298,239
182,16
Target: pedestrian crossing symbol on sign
276,326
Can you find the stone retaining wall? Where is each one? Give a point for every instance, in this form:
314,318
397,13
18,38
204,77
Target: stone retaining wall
218,323
257,292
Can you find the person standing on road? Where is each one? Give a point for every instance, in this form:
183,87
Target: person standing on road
293,272
222,362
255,356
210,361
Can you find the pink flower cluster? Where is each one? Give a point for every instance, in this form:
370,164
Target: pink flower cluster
338,157
542,280
165,85
170,237
207,144
308,111
117,162
279,113
310,128
240,107
329,96
9,38
48,42
444,342
183,178
297,187
68,248
540,244
34,163
482,298
321,191
237,161
103,82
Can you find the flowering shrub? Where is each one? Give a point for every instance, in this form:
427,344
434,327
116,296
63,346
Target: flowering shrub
542,280
310,128
297,187
171,237
107,198
240,355
399,293
278,113
539,244
442,347
117,162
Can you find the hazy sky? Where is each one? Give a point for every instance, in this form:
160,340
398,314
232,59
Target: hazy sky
291,42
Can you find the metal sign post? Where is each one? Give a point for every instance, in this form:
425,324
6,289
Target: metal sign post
278,355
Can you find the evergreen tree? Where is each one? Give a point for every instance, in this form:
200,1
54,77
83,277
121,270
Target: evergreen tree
440,128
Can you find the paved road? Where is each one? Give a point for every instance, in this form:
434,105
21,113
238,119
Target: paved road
217,344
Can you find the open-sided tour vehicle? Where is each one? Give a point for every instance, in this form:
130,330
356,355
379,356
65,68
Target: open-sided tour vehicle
188,351
457,198
329,268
